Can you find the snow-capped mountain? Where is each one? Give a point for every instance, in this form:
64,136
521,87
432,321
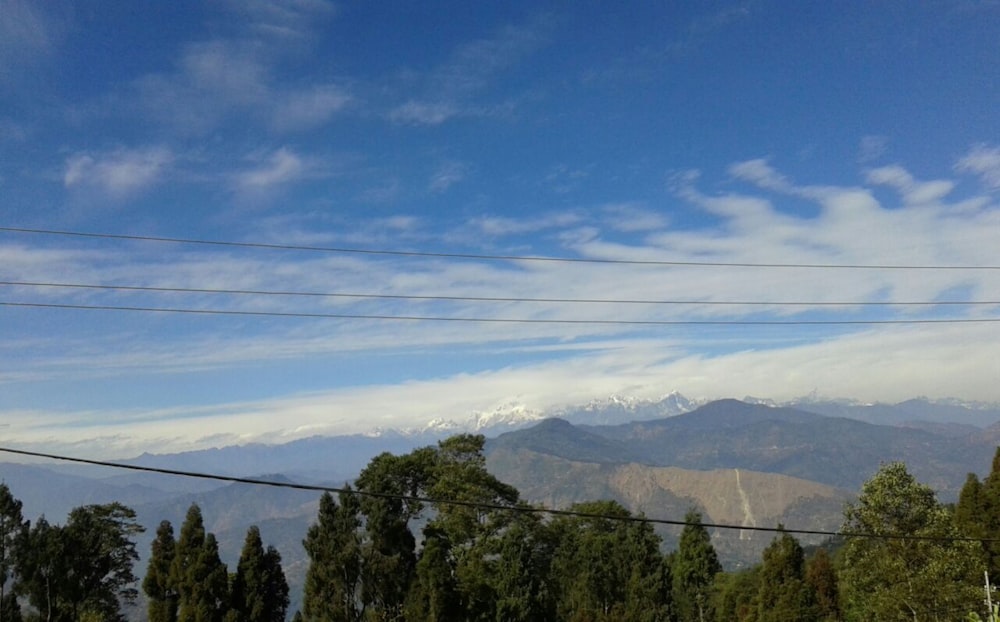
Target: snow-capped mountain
513,414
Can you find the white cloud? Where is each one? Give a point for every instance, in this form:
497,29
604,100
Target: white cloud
761,173
239,76
27,34
308,108
983,161
117,174
871,148
446,176
575,362
423,113
281,167
633,218
452,88
502,226
913,191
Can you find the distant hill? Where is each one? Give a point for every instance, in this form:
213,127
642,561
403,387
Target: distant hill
836,451
729,496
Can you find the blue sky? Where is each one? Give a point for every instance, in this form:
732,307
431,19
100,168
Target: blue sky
714,132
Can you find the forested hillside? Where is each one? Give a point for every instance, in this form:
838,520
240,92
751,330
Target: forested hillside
432,535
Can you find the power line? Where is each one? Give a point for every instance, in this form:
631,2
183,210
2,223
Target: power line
444,298
489,320
487,257
526,509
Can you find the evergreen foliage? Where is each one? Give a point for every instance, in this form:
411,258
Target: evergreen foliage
605,569
977,513
160,591
783,593
259,590
83,569
694,566
333,543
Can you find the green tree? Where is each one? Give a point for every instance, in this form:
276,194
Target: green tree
259,590
520,576
84,569
821,576
977,513
389,547
606,569
157,585
783,593
188,548
694,566
734,595
905,572
333,543
41,573
13,529
433,596
199,576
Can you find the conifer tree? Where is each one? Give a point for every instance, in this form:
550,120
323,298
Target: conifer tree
333,580
157,585
783,593
259,590
693,568
197,573
605,569
188,548
209,582
433,596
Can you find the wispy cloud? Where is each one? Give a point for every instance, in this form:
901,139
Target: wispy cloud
446,176
280,167
454,88
983,161
424,112
304,109
117,174
27,34
238,75
913,191
572,362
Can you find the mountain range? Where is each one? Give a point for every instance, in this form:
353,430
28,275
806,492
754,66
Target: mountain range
745,463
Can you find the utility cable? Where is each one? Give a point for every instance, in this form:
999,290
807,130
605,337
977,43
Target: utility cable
443,298
522,508
486,257
488,320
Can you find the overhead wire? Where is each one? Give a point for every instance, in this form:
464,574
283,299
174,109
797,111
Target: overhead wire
521,508
488,257
518,299
493,320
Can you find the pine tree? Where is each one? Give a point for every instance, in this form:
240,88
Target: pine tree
985,514
209,581
188,548
693,568
433,595
197,573
259,590
333,543
157,585
783,593
605,569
